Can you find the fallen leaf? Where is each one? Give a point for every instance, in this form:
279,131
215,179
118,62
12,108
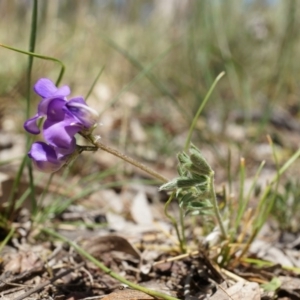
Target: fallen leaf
99,245
140,209
128,294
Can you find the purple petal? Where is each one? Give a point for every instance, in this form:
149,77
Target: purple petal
45,88
44,157
53,108
44,104
61,134
60,127
63,153
31,125
86,115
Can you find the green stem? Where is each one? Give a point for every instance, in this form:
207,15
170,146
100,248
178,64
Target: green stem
262,214
7,238
12,199
62,70
107,270
126,158
193,125
215,206
247,199
31,49
94,83
29,71
173,221
241,194
182,226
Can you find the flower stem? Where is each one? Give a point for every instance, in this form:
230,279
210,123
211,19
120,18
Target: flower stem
183,238
127,159
215,206
107,270
29,71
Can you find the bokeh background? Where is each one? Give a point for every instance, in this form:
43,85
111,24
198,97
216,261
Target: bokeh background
159,59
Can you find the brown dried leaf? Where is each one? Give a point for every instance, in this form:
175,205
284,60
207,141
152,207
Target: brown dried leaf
108,243
21,262
128,294
241,290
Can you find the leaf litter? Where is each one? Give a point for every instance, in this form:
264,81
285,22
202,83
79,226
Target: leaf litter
126,229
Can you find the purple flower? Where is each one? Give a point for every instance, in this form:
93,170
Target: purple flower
45,158
47,90
63,120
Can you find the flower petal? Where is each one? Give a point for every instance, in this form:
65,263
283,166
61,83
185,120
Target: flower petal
44,157
44,104
31,125
60,126
61,134
45,88
53,108
85,114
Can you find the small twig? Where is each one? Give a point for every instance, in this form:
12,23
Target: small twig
44,284
232,276
126,158
18,277
178,257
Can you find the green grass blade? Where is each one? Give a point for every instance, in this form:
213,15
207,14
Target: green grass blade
94,83
193,125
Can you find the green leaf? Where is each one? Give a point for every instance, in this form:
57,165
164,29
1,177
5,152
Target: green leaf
190,182
171,185
199,163
183,201
183,158
273,285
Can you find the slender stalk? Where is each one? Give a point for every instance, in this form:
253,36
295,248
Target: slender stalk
94,83
127,159
193,125
107,270
215,206
11,199
31,49
62,69
183,238
241,194
173,221
7,238
29,71
260,221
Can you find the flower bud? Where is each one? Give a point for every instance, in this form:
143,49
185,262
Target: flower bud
87,116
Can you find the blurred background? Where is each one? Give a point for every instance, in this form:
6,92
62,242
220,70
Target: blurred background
159,59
